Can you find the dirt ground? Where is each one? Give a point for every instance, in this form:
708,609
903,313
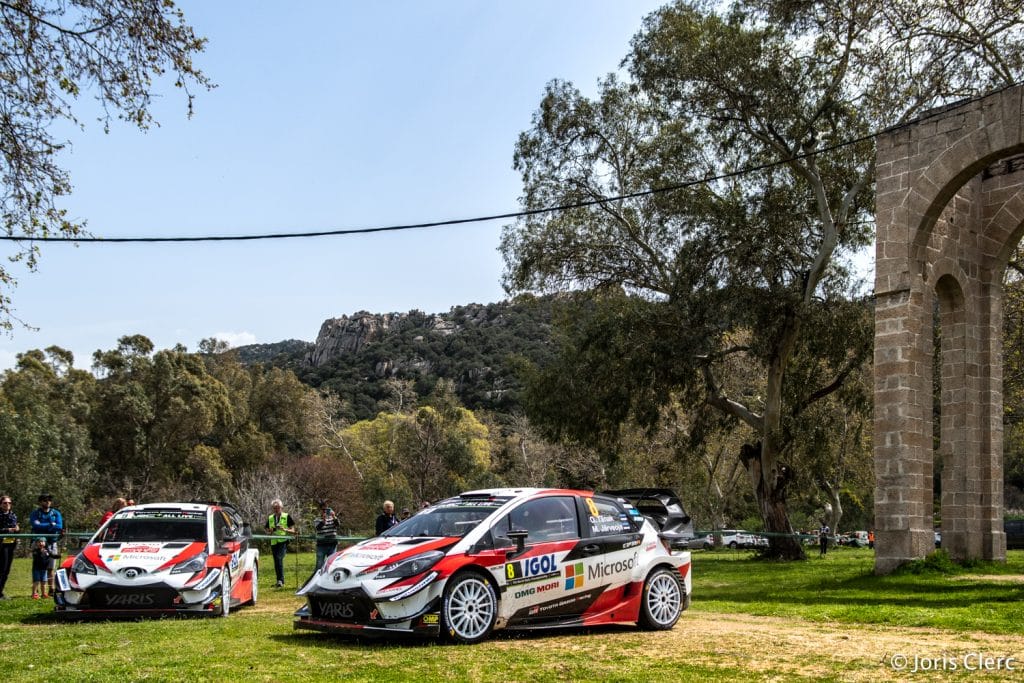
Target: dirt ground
847,652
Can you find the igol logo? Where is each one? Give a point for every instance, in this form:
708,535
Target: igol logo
531,568
599,571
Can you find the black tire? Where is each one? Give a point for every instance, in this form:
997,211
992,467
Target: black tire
662,600
225,594
708,546
732,545
469,608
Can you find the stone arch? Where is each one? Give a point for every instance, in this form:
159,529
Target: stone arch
949,212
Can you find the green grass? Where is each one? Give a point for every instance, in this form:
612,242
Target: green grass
260,644
842,587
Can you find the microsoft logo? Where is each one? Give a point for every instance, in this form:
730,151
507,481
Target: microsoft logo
574,576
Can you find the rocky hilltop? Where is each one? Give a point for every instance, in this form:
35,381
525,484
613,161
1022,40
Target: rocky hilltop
476,347
348,335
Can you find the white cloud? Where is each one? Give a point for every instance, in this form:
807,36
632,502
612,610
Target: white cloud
235,339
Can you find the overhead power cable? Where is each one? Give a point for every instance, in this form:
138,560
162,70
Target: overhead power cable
511,214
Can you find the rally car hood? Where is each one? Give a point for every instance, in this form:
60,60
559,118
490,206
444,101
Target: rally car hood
146,556
378,552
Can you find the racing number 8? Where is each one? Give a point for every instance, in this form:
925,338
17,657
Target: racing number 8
510,571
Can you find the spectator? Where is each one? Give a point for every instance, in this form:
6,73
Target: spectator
117,505
9,524
386,519
41,560
47,520
278,524
326,527
823,534
405,514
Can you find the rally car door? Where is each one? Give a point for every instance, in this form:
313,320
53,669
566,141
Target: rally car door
533,583
606,556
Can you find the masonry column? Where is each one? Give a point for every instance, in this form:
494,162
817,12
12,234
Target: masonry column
902,370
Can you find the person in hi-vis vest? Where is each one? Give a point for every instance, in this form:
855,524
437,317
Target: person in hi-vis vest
279,524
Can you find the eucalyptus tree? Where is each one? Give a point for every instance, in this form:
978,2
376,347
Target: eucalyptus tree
152,416
44,405
756,117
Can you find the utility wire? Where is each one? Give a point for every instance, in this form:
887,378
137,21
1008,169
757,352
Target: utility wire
512,214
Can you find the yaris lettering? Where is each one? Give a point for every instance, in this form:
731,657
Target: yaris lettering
338,610
130,600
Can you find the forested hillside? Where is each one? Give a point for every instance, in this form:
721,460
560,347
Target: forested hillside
476,347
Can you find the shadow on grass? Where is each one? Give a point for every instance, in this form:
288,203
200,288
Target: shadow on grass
409,641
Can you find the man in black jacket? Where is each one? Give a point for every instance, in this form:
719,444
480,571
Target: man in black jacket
386,519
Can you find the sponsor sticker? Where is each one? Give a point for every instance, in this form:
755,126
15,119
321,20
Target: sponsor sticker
574,576
603,569
141,549
431,619
531,569
379,545
534,590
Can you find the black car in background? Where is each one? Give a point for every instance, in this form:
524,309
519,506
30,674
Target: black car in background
1014,529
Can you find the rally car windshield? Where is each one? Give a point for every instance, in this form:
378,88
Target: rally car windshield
443,521
162,530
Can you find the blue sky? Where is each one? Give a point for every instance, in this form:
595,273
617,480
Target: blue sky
327,115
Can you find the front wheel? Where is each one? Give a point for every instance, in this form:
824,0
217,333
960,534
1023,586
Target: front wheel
469,608
732,545
225,594
662,600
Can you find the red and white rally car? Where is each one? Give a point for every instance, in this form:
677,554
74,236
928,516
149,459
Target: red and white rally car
163,558
504,558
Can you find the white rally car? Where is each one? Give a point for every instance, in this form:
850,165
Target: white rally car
503,558
163,558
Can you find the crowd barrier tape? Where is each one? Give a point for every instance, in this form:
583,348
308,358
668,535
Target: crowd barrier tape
85,535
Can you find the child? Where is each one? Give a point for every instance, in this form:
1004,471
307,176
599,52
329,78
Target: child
40,566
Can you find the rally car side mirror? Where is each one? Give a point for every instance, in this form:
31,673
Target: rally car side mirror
519,536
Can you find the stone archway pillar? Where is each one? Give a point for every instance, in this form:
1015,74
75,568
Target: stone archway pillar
949,211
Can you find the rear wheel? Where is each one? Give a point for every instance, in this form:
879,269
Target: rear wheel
732,544
469,608
225,594
662,600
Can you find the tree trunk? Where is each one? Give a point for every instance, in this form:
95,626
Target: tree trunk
769,479
837,506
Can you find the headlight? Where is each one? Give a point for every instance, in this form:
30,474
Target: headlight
191,566
410,566
83,566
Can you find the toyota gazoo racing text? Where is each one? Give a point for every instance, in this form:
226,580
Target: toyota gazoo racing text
164,558
503,558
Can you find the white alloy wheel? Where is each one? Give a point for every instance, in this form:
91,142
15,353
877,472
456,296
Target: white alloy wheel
662,600
469,609
225,594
